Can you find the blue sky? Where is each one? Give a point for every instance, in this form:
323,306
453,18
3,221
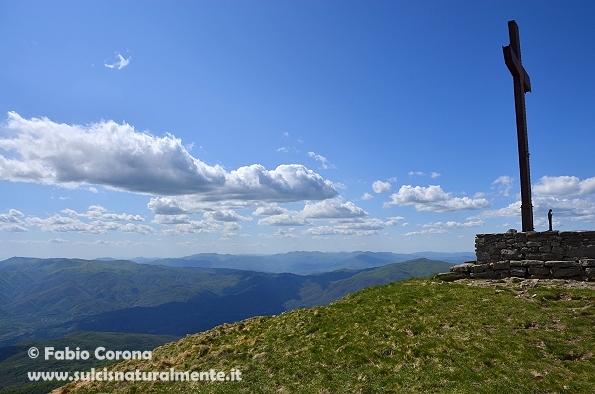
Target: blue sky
171,128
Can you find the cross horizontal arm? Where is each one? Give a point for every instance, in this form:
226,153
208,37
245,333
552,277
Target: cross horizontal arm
516,68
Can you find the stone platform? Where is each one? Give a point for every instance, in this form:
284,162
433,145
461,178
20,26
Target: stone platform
535,255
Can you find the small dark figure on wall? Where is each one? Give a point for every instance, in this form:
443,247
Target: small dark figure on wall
549,218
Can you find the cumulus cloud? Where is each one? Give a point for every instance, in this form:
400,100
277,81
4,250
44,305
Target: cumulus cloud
225,215
367,196
392,221
11,221
503,184
573,209
332,208
357,227
425,232
563,186
433,198
171,219
324,163
201,227
119,157
285,219
105,243
183,205
281,233
270,209
512,210
453,224
97,212
434,175
97,220
57,223
120,62
380,186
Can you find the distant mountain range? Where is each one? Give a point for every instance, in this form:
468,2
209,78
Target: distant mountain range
50,298
302,263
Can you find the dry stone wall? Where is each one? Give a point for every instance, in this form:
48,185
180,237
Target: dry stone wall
537,255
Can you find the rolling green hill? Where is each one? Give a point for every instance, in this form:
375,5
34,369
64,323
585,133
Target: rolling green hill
415,336
51,298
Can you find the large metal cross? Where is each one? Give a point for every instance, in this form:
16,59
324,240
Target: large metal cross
522,84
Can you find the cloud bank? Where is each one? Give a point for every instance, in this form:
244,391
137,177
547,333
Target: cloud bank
117,156
433,198
563,186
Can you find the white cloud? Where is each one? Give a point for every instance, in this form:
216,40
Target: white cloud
563,186
120,63
171,219
425,232
57,223
332,208
433,198
357,227
339,230
57,241
281,233
512,210
194,204
324,163
576,209
226,215
392,221
284,219
11,221
367,196
202,227
105,243
503,184
98,221
12,216
453,224
433,174
288,149
98,212
119,157
381,187
270,209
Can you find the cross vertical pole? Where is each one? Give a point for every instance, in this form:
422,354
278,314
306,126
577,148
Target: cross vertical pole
522,84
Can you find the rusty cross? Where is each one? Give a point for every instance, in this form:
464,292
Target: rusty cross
522,84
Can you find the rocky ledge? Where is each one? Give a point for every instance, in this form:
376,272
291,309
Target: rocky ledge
579,269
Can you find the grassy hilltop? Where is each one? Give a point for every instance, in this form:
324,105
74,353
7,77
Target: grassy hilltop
416,336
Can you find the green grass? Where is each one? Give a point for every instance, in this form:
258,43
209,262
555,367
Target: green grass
416,336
